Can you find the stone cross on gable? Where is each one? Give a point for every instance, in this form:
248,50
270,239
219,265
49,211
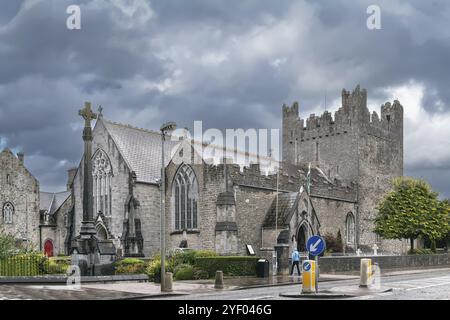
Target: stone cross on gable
87,114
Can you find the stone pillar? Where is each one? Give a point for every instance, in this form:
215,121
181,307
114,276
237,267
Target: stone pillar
94,257
282,249
87,225
226,231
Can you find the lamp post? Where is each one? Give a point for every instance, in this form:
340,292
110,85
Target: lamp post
167,127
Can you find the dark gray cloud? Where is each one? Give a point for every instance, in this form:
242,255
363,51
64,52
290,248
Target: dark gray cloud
228,63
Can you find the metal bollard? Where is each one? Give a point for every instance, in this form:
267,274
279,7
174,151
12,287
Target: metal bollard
169,281
308,276
365,278
219,280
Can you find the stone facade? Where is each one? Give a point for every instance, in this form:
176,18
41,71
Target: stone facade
354,156
20,189
355,147
38,217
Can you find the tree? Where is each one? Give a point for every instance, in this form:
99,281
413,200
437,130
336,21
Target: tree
412,210
7,244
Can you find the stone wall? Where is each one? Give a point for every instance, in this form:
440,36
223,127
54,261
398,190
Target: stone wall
352,264
149,215
21,189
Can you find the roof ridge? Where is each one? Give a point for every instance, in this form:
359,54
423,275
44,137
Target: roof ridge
129,126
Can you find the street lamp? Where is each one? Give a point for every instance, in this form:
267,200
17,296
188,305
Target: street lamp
167,127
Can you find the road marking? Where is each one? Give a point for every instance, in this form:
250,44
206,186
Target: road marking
258,298
429,286
411,285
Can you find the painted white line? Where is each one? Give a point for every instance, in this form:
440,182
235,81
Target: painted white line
430,286
258,298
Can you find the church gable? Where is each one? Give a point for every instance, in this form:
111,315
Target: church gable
141,149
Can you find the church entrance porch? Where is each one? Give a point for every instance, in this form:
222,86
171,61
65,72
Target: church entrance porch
302,237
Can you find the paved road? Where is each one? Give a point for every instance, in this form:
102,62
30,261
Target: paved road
433,285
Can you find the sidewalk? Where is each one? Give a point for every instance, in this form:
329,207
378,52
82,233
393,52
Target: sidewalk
152,290
120,290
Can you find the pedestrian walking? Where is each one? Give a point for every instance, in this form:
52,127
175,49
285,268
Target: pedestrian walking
295,262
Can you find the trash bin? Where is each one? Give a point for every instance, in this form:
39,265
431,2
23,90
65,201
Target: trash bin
262,268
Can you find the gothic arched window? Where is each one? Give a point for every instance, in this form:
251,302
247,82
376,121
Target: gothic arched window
102,174
350,228
185,192
8,211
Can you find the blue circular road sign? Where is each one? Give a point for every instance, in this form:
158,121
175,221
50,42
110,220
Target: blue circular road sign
315,245
306,266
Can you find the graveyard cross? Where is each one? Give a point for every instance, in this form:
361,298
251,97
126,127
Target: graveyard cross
375,249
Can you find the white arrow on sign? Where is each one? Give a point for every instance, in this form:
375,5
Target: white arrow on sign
313,247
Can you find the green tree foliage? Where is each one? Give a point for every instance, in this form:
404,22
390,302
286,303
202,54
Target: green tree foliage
7,245
412,210
334,244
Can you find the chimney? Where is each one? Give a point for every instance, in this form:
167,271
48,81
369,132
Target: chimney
70,176
21,157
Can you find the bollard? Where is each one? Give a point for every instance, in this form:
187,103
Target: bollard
169,281
365,273
308,276
219,280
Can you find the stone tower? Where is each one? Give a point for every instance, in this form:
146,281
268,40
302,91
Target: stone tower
355,146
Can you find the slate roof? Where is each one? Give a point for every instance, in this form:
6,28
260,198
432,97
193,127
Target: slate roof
287,203
51,202
141,149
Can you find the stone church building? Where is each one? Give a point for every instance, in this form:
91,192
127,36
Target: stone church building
334,170
226,207
37,219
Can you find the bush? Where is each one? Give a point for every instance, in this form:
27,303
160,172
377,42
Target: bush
184,272
333,244
230,265
130,266
185,257
189,256
420,251
58,265
7,245
200,274
153,270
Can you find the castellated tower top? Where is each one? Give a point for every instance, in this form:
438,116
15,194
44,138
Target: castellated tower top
358,98
353,112
329,140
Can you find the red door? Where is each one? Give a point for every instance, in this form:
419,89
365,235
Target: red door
48,248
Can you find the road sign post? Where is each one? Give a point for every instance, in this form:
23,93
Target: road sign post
308,276
315,246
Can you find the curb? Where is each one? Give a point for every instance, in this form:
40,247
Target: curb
43,280
287,284
317,295
153,296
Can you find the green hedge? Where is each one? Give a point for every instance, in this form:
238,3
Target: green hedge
188,257
230,265
130,266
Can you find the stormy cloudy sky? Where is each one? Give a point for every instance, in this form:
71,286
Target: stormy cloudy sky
231,64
